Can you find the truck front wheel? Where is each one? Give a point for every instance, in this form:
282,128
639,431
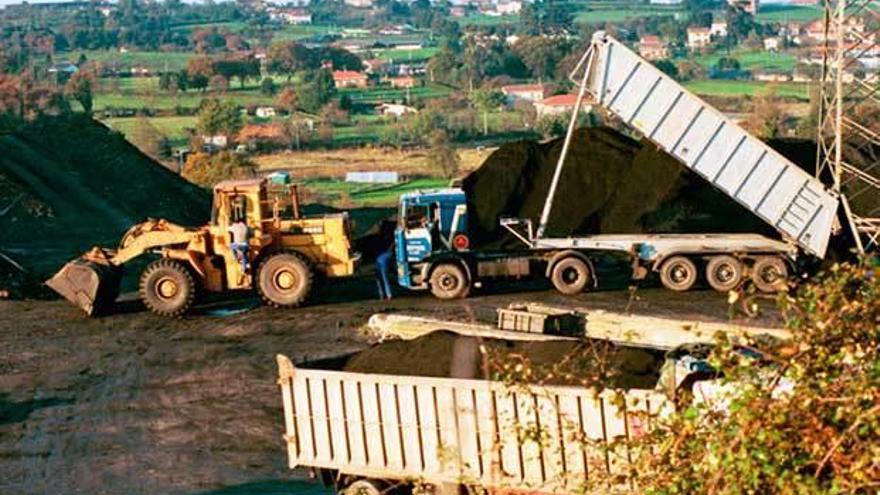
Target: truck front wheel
570,275
449,281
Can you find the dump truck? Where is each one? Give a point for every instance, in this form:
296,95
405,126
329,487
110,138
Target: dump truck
433,246
285,252
363,433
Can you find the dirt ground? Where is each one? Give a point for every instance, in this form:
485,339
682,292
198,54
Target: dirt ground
134,403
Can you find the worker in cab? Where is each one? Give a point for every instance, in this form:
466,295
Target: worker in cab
240,232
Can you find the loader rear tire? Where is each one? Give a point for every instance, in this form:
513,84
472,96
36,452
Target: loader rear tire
284,280
167,287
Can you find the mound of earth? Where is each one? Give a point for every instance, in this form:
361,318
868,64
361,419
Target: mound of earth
610,184
68,183
447,354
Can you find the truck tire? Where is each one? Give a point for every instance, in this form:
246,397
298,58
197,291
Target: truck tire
570,275
724,272
769,274
284,280
363,487
167,287
678,273
449,281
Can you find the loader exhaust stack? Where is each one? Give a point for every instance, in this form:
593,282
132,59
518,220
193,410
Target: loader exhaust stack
91,282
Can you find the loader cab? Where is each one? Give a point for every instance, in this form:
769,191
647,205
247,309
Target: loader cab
429,222
234,199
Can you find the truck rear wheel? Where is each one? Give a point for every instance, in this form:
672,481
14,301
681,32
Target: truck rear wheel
724,273
167,287
678,273
570,275
449,281
363,487
769,274
284,280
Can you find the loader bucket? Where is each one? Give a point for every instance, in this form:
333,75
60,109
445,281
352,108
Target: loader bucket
90,285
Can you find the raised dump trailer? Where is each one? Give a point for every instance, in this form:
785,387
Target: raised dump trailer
367,432
433,248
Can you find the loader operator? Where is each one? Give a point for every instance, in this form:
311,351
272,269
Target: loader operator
239,231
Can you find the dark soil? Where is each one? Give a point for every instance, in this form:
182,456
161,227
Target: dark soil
70,183
443,354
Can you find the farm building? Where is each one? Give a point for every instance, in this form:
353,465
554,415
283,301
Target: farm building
557,105
524,92
653,48
349,79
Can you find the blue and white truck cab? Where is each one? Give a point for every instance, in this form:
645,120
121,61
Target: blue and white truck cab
431,229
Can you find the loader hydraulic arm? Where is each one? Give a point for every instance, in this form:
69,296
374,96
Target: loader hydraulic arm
150,235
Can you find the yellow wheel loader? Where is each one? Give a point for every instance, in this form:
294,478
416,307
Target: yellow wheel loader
285,251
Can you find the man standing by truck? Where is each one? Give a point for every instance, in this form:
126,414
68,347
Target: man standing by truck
384,265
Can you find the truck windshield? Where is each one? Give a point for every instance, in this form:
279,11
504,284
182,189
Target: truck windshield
416,216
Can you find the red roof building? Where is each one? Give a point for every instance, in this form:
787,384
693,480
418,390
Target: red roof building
349,79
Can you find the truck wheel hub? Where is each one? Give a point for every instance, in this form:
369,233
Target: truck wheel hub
448,282
285,279
679,274
724,273
166,288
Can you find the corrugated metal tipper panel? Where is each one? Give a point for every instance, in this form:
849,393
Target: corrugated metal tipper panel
547,439
704,140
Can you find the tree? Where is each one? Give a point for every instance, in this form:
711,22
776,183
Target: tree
486,100
219,83
529,20
287,99
206,170
218,118
79,87
767,119
267,87
199,71
442,155
667,67
288,57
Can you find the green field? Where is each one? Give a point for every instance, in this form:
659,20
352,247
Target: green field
748,88
170,127
156,61
378,95
753,60
789,13
300,31
487,20
399,55
335,190
232,26
190,99
599,12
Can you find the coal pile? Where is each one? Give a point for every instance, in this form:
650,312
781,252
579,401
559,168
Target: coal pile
447,354
68,183
610,184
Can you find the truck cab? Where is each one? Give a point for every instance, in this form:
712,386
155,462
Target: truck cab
432,224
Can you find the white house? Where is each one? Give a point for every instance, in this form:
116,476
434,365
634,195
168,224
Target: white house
524,92
558,105
265,112
718,28
395,109
771,44
698,37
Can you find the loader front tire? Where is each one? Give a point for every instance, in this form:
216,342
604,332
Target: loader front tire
167,287
284,280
